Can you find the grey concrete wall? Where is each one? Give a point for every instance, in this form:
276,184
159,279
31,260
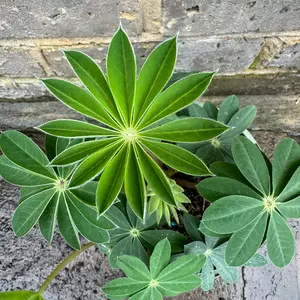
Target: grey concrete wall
255,45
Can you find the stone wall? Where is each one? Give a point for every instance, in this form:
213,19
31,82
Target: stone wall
254,45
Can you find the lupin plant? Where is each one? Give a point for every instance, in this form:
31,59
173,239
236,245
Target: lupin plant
123,174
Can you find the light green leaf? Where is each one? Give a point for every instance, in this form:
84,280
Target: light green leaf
151,237
48,218
244,243
138,250
203,229
240,122
231,213
66,225
30,210
257,260
80,151
135,184
154,75
228,108
93,165
87,228
177,158
177,96
111,181
123,287
252,164
286,160
121,72
15,174
187,130
280,241
73,128
191,225
184,266
181,285
290,209
80,100
94,80
160,257
196,247
20,295
155,177
134,268
215,188
207,275
22,151
292,189
147,294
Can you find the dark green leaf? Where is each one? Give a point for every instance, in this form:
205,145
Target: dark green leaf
228,108
191,225
211,110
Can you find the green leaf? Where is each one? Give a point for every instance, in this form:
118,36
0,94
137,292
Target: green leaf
177,158
156,178
290,209
160,257
87,193
117,217
154,75
66,225
30,210
48,218
203,229
93,79
72,128
80,100
14,174
138,250
181,285
134,268
211,110
93,165
252,164
215,188
231,213
196,110
147,294
20,295
257,260
286,160
196,247
151,237
26,192
292,189
184,266
186,130
280,241
244,243
111,181
123,247
191,225
50,146
228,108
135,184
22,151
80,151
123,287
87,228
207,275
121,72
177,96
240,122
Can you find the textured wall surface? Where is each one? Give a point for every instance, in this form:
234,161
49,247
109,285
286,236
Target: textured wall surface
254,45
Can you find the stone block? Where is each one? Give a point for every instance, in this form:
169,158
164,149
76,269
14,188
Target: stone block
289,58
19,63
64,18
216,17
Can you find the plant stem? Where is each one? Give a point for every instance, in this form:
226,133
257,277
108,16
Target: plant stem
62,265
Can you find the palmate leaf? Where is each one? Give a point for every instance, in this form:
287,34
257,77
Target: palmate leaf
125,108
48,201
248,219
163,279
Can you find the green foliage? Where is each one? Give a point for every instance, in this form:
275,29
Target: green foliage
132,236
159,279
129,111
45,196
255,211
230,114
162,208
20,295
